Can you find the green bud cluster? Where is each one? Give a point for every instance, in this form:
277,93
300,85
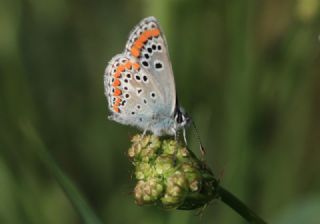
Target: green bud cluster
169,175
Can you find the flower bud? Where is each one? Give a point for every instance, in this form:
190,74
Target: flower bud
147,192
164,165
182,153
144,148
176,190
169,147
191,171
143,171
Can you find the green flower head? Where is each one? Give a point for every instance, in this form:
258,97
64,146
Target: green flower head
168,174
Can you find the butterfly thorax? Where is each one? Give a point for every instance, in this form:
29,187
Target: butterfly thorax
160,124
171,125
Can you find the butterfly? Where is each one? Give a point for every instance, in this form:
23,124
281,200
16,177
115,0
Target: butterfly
139,83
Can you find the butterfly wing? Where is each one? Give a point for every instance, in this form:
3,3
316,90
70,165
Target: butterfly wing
148,47
134,98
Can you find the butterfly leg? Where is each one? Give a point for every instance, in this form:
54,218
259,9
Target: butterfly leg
144,132
185,136
146,129
175,133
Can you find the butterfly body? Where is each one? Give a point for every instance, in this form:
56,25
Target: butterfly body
139,83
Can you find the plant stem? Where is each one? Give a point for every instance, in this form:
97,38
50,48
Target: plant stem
238,206
228,198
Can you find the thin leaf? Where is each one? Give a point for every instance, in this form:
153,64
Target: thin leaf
77,200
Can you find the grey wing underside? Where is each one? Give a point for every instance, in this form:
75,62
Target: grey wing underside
142,103
142,108
163,76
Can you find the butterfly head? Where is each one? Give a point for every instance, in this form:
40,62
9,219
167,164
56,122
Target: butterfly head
182,119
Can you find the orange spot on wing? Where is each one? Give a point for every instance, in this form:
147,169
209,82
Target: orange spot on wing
118,101
138,44
117,75
143,38
136,66
116,105
117,92
120,68
116,82
135,52
128,65
155,32
147,33
116,108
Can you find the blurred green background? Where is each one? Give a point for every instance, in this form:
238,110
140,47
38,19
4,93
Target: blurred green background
247,72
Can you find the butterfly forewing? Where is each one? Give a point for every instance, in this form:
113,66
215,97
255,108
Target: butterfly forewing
147,45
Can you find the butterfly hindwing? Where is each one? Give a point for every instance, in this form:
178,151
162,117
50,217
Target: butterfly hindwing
133,97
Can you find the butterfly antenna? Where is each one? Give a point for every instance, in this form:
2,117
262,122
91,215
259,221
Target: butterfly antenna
202,149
